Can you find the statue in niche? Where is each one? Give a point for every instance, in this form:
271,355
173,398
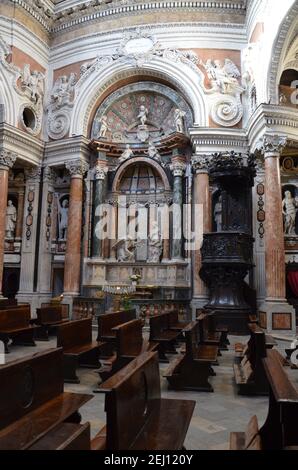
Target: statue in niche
11,218
218,214
63,90
126,249
142,116
34,83
127,153
63,219
178,118
152,151
103,121
289,205
155,244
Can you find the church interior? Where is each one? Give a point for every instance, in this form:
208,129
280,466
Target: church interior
148,225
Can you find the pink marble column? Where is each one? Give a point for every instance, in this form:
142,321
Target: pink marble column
72,265
202,211
274,232
7,160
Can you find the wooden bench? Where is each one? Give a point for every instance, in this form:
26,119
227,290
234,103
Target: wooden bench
163,336
190,371
210,332
33,406
129,345
4,303
107,322
48,318
15,325
137,417
249,371
279,431
75,338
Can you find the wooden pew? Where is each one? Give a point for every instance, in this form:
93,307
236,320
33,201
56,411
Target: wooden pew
129,345
107,322
79,349
279,431
15,325
48,318
211,333
190,371
249,371
137,417
161,334
33,403
5,303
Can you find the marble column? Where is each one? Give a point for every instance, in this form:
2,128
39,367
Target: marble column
28,275
72,264
98,239
202,220
166,234
178,167
113,212
7,160
44,284
279,315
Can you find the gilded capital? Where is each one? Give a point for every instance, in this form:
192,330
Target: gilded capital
77,167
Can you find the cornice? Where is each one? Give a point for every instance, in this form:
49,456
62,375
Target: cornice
28,148
207,139
60,151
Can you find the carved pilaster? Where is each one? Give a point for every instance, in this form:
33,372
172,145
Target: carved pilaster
49,175
32,175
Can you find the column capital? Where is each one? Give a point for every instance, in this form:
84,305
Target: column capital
49,175
7,159
77,167
273,144
201,163
178,166
33,174
100,170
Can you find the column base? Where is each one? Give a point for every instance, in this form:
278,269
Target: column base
198,303
68,299
277,317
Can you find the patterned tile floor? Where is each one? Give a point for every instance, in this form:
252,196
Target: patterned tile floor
215,416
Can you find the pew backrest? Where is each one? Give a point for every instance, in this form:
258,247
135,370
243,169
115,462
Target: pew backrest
129,338
49,314
15,318
74,333
158,324
28,383
131,401
108,321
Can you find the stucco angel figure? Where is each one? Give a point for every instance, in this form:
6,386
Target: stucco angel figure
289,211
152,151
178,118
142,116
223,77
34,82
63,90
11,218
126,249
103,121
127,153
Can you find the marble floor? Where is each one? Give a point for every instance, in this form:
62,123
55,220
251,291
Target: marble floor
215,416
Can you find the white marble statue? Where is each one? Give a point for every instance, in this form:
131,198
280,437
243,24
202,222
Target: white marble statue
11,218
63,90
152,151
178,118
126,249
127,153
142,116
34,83
289,208
218,214
103,121
155,244
63,219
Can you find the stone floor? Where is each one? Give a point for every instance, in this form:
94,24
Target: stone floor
215,416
